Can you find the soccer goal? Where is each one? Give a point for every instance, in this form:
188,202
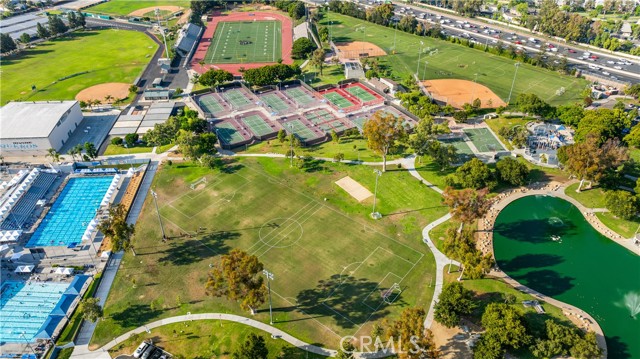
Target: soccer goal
390,295
195,184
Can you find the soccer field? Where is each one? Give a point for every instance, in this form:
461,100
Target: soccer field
335,269
236,42
455,61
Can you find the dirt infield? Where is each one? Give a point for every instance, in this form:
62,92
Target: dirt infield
142,12
354,49
207,37
458,92
117,90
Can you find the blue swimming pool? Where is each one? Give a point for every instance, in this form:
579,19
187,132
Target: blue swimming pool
25,307
71,213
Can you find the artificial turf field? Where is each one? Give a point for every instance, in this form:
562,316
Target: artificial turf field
88,58
331,262
263,42
456,61
125,7
484,140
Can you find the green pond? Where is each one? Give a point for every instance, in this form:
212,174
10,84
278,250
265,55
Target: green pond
546,244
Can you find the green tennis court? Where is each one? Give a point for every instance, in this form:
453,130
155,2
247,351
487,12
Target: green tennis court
210,104
360,93
459,144
337,99
299,96
274,102
236,98
236,42
359,122
300,130
338,125
484,140
257,125
228,133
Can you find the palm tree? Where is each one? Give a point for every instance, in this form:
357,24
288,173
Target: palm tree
72,153
55,156
108,98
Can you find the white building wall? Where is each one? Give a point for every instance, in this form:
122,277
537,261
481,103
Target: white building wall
65,127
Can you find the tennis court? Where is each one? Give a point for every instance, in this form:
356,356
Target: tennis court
236,42
299,96
300,130
228,133
236,98
337,99
318,116
483,139
210,104
258,125
362,94
459,144
274,102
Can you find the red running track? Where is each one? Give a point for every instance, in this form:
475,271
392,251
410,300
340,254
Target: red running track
207,37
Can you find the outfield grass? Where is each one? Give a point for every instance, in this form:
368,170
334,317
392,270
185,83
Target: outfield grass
329,259
457,61
105,56
209,339
125,7
331,74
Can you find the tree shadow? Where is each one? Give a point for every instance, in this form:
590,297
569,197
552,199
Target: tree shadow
231,166
195,250
545,281
349,301
530,261
310,164
135,315
616,348
534,230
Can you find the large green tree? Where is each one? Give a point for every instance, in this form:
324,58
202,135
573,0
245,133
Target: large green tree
621,203
466,205
302,48
454,300
531,104
91,309
603,124
512,171
7,44
214,77
238,277
506,325
252,348
475,174
382,131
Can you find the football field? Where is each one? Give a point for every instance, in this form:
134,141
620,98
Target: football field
236,42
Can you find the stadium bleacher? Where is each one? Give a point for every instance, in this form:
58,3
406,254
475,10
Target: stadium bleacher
23,209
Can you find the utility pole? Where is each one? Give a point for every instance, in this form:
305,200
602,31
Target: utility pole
517,64
164,38
155,201
290,125
269,276
374,214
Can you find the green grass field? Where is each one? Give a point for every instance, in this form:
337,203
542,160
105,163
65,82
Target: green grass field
209,339
263,42
456,61
125,7
330,260
94,57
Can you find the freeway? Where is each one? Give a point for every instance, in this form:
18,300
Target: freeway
591,62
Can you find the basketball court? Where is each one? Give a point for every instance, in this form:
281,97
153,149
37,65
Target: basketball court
483,139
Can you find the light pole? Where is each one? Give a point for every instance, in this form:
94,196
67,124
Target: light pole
517,64
419,56
164,38
269,276
394,35
424,71
155,201
374,214
290,126
330,28
475,80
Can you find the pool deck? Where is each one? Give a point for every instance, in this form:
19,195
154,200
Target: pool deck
485,241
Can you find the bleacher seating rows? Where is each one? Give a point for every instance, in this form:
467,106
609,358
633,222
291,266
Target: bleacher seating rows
21,211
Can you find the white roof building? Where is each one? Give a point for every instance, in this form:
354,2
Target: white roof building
34,127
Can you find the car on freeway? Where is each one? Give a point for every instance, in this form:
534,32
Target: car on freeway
618,67
571,51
